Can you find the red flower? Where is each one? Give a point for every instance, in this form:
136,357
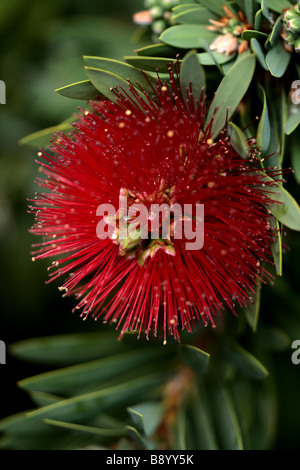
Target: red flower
153,152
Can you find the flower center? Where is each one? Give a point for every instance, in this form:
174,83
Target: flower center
145,223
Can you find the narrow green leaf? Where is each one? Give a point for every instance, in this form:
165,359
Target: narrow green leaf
293,121
245,361
265,419
44,399
157,50
185,5
278,5
277,60
125,71
265,11
201,417
159,64
195,358
275,33
259,52
264,129
105,81
83,90
194,16
295,155
230,92
276,246
238,140
82,407
187,36
286,209
136,435
252,310
249,10
282,110
192,75
213,5
68,349
67,380
249,34
146,416
259,18
210,58
87,429
227,424
42,138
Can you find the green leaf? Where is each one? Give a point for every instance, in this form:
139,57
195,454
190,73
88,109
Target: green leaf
293,121
249,34
286,209
227,424
244,361
86,406
146,416
252,310
157,50
238,140
197,15
202,421
83,90
183,5
68,349
278,5
277,60
187,36
44,399
264,129
259,18
195,358
179,428
259,52
276,247
295,155
192,75
125,71
213,5
159,64
102,432
141,441
105,81
249,10
265,11
42,138
210,58
230,92
90,374
265,418
275,33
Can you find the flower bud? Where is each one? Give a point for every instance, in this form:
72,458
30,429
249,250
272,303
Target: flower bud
158,26
156,12
297,45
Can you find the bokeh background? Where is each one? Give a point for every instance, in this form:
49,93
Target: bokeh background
42,43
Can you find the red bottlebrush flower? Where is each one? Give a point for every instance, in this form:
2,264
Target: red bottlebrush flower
153,151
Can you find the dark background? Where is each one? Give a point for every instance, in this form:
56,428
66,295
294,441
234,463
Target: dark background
42,43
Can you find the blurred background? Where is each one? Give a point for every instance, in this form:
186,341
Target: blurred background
42,43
